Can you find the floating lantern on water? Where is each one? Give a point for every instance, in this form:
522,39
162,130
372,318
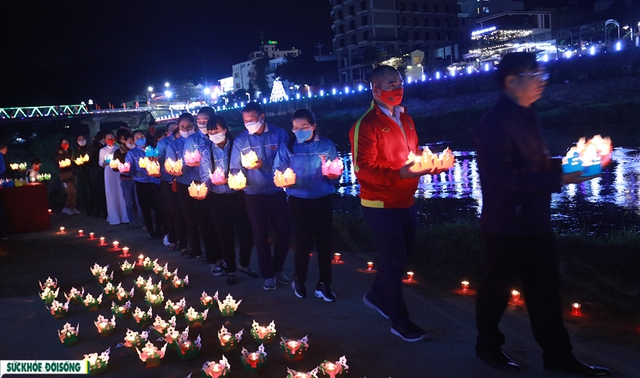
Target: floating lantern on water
294,350
173,167
154,299
109,290
62,230
59,310
335,369
151,355
102,241
229,306
214,369
161,326
66,163
97,363
198,191
80,232
124,167
134,339
576,309
237,181
217,177
254,361
48,295
515,296
428,161
142,318
297,374
153,168
121,311
195,318
122,294
114,164
187,349
332,168
105,326
588,157
250,160
286,179
91,303
192,159
175,308
337,258
206,300
229,341
180,283
92,236
147,264
126,267
75,296
263,335
49,283
116,245
69,335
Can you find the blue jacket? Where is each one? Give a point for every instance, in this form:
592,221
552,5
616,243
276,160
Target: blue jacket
200,142
162,150
138,174
212,158
175,151
305,159
516,174
265,145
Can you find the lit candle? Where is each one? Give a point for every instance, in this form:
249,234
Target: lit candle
576,309
125,251
140,259
409,276
92,235
336,258
370,265
80,232
62,229
116,245
465,286
102,240
50,212
515,296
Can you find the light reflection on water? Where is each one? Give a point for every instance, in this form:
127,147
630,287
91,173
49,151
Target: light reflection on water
618,187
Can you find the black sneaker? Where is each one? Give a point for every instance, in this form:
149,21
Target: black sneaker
324,291
367,299
409,332
298,289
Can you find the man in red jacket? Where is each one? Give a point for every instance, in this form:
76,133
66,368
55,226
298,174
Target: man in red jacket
381,141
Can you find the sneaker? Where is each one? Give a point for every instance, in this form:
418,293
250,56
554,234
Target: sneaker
165,240
67,211
376,306
409,332
248,271
232,279
270,284
75,211
217,271
298,289
282,278
324,291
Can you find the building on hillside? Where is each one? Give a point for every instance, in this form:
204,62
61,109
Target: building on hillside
469,11
368,31
244,73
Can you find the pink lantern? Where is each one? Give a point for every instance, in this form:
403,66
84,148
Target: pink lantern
334,167
217,177
192,159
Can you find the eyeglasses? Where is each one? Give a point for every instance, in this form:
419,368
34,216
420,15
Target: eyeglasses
540,75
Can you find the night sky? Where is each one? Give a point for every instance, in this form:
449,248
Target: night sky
61,52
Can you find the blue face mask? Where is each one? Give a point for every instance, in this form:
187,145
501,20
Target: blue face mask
303,135
141,142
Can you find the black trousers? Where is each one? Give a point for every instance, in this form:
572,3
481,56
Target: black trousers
197,217
532,260
173,219
149,197
230,218
312,224
96,175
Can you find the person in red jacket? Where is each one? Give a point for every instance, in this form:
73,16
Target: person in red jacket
381,141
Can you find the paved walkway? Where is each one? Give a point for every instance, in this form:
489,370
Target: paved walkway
345,327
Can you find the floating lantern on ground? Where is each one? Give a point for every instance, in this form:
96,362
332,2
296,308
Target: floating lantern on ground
49,283
62,230
125,252
109,290
157,268
153,168
332,168
229,306
167,275
154,299
195,318
92,236
151,355
97,363
180,283
140,283
50,211
69,335
464,286
80,232
122,311
124,167
206,300
198,191
263,335
173,167
98,270
175,308
249,160
217,177
588,157
113,164
297,374
294,350
286,179
140,260
187,349
116,245
576,309
75,296
66,163
171,335
142,318
48,295
105,326
59,310
335,369
229,341
161,326
126,267
237,181
91,303
150,287
337,258
102,241
105,279
212,369
254,361
134,339
147,264
192,159
515,296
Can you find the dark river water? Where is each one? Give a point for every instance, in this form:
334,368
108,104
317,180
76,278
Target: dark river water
599,206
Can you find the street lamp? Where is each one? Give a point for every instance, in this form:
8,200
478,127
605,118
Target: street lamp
207,93
149,95
168,94
166,84
90,102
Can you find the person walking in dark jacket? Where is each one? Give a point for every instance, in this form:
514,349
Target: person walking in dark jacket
81,158
96,176
64,158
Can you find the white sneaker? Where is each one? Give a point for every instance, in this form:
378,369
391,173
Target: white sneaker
67,211
75,211
165,241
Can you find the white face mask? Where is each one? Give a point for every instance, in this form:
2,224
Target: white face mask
217,138
131,146
253,127
185,134
82,143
